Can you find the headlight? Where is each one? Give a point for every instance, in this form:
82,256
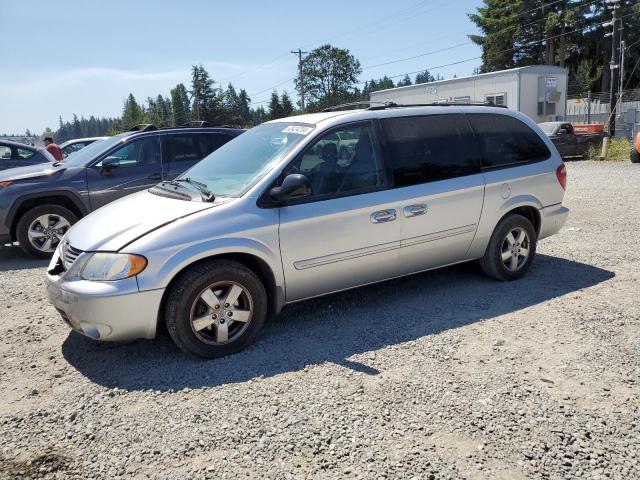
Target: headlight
113,266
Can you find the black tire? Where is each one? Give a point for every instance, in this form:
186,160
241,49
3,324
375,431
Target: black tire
635,156
22,228
185,293
492,263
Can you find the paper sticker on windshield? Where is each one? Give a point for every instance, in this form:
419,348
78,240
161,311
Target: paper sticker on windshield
299,129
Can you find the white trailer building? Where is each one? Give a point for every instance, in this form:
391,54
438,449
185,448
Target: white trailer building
539,91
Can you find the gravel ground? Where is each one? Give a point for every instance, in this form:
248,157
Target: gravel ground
442,375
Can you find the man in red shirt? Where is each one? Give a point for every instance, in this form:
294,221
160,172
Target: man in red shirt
53,148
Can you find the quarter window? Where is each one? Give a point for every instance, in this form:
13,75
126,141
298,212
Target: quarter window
343,162
504,140
5,152
430,148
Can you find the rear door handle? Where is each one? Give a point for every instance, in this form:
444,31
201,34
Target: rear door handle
415,210
155,176
383,216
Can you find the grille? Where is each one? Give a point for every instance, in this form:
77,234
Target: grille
69,255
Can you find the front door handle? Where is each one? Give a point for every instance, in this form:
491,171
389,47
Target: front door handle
415,210
383,216
155,176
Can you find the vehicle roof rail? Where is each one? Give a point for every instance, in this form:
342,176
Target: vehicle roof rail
143,127
449,104
197,123
361,102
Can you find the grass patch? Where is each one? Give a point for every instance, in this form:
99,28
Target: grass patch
618,151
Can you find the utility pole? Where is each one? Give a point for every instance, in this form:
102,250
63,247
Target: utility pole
299,53
614,65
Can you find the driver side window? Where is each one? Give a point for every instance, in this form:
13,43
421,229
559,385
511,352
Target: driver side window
138,153
341,162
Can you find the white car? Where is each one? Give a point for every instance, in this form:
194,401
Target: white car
72,146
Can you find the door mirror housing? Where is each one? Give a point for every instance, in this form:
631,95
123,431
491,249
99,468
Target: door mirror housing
110,163
294,187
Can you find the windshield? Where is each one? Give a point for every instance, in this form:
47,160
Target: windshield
237,165
548,127
91,151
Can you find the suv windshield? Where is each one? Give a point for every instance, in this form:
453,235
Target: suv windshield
239,164
90,152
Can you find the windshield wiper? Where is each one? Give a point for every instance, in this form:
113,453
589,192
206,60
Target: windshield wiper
207,195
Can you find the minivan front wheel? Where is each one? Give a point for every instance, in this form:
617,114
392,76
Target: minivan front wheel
215,309
511,249
40,229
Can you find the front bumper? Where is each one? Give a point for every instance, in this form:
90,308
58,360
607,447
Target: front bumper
552,219
110,311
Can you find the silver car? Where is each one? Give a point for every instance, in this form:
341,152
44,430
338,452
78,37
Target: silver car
270,219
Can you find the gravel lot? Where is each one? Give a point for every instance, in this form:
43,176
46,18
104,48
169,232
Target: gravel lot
442,375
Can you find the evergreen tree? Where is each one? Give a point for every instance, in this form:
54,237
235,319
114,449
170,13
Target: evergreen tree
180,105
132,113
424,77
405,82
259,115
275,107
286,104
244,108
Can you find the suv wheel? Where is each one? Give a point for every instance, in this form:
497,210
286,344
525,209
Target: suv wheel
511,249
40,229
215,309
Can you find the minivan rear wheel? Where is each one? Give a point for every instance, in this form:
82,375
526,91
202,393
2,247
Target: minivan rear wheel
511,249
215,309
40,229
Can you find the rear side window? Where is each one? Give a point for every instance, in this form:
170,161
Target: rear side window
24,153
504,140
430,148
192,147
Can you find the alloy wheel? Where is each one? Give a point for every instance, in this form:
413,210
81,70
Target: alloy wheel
46,231
221,313
515,249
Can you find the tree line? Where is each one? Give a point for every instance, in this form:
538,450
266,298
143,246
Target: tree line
514,33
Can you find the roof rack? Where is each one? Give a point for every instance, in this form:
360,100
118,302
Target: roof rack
197,123
143,127
445,104
361,102
384,105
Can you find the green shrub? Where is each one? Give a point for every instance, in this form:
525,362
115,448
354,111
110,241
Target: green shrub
618,151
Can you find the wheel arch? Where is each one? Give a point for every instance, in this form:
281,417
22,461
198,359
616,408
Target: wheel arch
527,206
60,198
275,292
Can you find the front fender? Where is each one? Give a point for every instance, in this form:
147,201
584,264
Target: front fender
162,270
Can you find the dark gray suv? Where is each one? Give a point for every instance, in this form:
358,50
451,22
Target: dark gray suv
39,203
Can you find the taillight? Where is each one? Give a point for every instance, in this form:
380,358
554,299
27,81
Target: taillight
561,173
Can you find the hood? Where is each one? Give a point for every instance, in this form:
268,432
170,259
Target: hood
31,171
119,223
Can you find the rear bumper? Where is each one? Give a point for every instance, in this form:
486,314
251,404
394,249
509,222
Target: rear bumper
552,219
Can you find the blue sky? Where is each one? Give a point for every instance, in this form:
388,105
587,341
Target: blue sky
85,56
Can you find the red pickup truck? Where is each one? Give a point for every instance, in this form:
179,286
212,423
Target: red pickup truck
568,142
635,150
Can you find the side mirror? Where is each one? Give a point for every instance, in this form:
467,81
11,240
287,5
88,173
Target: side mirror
563,131
294,187
109,164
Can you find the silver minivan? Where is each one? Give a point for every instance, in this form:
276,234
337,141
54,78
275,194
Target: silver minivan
280,215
